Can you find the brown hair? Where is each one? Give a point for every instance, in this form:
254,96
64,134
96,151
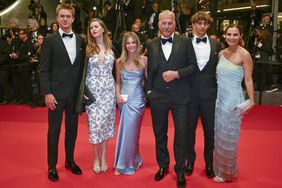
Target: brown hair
92,47
201,15
65,6
233,25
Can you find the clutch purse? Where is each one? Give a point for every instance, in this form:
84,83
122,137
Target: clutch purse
241,107
89,95
124,97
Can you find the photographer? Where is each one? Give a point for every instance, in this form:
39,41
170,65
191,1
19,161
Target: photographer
141,34
110,16
185,19
265,24
4,71
32,8
263,53
22,57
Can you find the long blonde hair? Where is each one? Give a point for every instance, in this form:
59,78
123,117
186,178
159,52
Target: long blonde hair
92,48
137,54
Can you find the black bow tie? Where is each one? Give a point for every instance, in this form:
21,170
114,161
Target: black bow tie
67,35
166,40
204,40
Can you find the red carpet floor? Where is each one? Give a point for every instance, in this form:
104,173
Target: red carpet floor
23,154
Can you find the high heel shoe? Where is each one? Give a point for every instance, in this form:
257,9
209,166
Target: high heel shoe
97,169
218,179
104,166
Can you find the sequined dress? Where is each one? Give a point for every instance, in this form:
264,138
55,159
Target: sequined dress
227,124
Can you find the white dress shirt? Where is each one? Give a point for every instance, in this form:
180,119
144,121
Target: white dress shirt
202,51
167,47
70,44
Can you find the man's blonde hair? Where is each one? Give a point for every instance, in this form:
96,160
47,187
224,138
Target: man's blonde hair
66,7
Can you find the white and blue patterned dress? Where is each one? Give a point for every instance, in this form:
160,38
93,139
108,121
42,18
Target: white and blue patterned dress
101,114
227,124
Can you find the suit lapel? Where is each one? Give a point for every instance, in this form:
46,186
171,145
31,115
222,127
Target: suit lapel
175,47
78,46
156,49
213,50
61,44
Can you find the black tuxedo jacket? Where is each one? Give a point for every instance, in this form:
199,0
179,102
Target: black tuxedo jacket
182,59
57,74
203,83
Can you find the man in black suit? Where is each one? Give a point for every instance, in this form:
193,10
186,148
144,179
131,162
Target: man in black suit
61,66
170,62
152,20
203,87
111,17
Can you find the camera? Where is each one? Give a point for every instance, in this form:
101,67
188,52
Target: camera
143,32
189,32
119,4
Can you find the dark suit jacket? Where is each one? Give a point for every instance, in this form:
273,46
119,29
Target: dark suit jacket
79,108
57,74
203,82
182,60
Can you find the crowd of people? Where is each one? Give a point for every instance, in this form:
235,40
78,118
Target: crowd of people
191,77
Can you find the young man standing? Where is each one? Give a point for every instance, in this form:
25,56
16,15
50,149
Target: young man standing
61,66
203,87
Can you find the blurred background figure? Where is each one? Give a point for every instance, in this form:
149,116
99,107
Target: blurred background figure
152,20
53,27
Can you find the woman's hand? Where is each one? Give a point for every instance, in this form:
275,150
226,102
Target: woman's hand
120,99
250,107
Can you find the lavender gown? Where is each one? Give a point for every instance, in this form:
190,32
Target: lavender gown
127,157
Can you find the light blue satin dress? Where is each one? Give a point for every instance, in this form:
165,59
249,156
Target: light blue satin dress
227,124
127,157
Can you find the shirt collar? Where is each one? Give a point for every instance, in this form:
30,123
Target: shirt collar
61,32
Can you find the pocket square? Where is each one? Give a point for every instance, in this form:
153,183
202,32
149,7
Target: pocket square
89,95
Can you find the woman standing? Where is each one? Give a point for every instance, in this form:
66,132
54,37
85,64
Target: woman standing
100,81
131,70
235,64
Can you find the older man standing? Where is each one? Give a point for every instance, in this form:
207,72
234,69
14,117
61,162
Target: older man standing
170,61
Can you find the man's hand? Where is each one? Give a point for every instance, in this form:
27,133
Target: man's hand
50,101
169,76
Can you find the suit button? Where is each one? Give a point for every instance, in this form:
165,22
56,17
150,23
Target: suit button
167,87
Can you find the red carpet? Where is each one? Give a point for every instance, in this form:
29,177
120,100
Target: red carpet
23,154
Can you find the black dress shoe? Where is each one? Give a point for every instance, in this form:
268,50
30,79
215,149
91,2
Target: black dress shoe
74,168
189,169
181,182
209,171
161,173
53,174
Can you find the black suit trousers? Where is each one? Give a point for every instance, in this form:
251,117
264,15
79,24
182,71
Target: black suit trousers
204,109
160,112
54,122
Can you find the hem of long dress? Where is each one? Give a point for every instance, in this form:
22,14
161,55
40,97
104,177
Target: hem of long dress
128,171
